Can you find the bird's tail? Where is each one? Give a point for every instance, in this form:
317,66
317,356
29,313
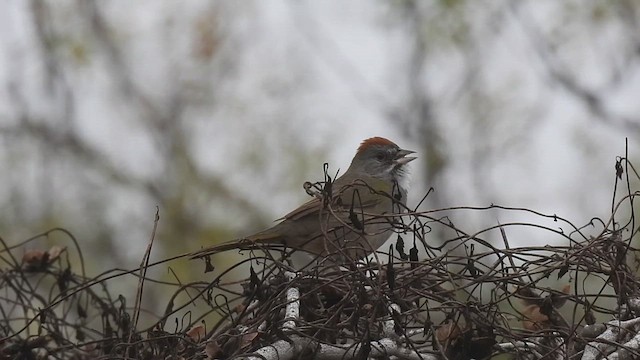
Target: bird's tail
257,241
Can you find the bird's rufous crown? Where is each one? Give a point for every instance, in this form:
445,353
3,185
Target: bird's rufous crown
375,141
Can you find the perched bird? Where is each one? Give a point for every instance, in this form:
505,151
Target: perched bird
351,221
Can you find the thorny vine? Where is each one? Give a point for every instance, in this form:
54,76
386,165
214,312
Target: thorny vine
467,296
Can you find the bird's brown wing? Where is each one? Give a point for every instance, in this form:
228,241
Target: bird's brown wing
303,210
346,196
263,237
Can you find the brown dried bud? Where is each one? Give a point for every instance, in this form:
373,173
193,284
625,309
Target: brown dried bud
447,332
534,319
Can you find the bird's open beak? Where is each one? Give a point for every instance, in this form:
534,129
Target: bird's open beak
401,157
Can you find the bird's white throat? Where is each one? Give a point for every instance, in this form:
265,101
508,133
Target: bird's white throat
403,178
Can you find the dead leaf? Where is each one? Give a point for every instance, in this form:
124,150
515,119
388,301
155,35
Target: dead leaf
248,338
534,319
239,308
55,251
447,332
196,333
33,256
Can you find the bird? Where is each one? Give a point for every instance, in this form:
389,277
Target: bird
351,217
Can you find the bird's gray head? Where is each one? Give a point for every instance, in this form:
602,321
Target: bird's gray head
381,158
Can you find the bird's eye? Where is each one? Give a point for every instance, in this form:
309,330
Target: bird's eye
380,156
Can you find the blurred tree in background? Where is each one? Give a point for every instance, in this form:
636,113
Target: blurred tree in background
217,112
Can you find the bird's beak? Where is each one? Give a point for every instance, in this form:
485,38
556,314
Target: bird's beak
401,157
